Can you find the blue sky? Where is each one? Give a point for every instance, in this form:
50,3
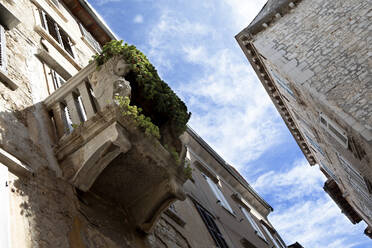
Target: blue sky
192,45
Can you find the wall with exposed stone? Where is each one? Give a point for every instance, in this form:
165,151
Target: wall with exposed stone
320,49
46,211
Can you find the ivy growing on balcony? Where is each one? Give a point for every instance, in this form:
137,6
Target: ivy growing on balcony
149,91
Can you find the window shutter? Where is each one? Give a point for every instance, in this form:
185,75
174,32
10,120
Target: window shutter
3,61
89,37
252,222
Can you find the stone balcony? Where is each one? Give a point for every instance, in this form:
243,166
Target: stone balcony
103,152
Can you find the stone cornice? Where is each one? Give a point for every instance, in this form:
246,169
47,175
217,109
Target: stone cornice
259,67
272,11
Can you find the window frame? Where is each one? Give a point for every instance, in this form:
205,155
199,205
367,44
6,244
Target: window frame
272,237
89,39
332,128
282,82
56,32
221,199
212,227
253,223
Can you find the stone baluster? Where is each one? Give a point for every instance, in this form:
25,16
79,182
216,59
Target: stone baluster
59,119
87,100
73,109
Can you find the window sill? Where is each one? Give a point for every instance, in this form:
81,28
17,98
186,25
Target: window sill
41,31
7,81
43,55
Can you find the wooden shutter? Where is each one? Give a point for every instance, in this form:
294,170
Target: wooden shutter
3,61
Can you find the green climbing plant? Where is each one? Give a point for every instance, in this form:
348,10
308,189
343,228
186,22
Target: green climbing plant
165,104
139,119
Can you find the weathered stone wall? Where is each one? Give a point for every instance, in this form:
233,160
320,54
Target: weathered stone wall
321,49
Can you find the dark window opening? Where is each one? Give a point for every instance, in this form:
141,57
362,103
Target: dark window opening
212,227
56,32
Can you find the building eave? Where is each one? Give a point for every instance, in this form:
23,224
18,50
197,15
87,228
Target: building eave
245,42
272,10
91,20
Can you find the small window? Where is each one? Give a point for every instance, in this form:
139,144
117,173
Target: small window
56,32
329,172
273,239
57,79
334,130
314,144
282,82
212,227
219,195
89,38
3,60
355,178
252,222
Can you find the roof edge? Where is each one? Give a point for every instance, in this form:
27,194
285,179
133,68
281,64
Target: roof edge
245,42
99,20
272,10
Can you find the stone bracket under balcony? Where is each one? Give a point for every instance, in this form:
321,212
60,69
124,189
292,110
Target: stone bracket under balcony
103,152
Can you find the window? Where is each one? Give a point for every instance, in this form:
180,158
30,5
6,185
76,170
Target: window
314,144
273,239
334,130
56,32
253,223
329,172
355,178
89,38
219,195
212,227
3,61
57,79
282,82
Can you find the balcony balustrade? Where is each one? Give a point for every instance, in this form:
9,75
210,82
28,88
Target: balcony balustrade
102,151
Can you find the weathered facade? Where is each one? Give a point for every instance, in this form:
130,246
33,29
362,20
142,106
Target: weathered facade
76,172
313,59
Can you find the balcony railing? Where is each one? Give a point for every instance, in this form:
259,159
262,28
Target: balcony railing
103,151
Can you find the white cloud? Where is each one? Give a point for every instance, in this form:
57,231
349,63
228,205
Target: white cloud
230,108
138,19
304,212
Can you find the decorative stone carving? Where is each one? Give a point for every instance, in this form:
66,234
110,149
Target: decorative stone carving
108,81
108,151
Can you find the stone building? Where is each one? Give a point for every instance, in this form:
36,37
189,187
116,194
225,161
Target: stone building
76,172
313,59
